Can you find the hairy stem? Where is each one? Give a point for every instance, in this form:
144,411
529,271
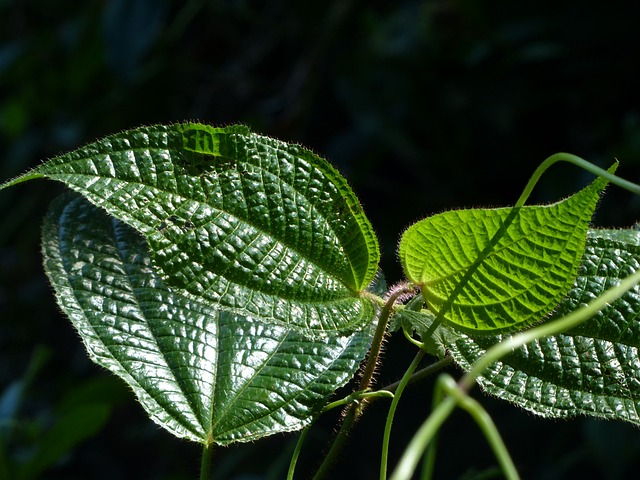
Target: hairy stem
337,444
355,409
381,330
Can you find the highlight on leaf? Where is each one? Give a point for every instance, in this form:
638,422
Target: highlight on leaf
249,223
203,373
496,270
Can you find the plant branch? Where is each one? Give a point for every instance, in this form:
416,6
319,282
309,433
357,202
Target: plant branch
421,439
205,465
296,452
422,373
588,166
484,421
384,457
350,417
396,292
355,409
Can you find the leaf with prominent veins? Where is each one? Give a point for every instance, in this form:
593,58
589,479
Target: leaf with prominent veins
491,270
206,374
593,369
247,222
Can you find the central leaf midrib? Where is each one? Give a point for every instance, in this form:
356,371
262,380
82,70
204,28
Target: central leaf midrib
109,346
501,247
134,291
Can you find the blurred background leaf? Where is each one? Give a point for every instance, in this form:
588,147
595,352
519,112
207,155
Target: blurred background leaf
456,99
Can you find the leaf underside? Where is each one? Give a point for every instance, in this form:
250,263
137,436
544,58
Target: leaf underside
203,373
497,270
591,370
249,223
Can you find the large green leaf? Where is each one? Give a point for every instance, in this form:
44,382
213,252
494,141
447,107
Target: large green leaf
248,222
203,373
593,369
491,270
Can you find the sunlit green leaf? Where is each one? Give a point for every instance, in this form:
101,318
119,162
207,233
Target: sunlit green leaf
203,373
491,270
250,223
593,369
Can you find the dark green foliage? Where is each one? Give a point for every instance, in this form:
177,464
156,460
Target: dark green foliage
441,98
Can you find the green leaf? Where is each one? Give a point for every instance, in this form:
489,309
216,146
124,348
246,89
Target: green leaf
248,222
413,318
203,373
590,370
492,270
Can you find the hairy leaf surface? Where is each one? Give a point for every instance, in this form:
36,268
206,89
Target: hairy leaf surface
248,222
593,369
492,270
203,373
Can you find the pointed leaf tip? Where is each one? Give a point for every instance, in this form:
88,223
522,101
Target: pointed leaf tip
492,270
250,223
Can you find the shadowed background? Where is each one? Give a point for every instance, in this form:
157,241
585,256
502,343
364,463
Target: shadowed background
422,105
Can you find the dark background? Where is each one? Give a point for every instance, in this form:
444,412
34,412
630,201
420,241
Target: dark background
423,105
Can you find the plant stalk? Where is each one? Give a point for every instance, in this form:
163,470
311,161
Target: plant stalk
355,409
296,452
590,167
205,464
384,457
381,330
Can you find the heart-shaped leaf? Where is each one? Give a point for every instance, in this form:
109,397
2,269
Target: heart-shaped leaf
203,373
491,270
590,370
250,223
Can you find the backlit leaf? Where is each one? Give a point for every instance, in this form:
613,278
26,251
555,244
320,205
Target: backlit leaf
491,270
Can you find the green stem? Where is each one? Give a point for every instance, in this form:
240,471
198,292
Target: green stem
421,439
355,409
384,458
296,452
567,157
484,421
430,458
426,432
205,464
422,373
356,396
